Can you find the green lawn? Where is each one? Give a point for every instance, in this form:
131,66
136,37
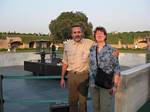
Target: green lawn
133,50
60,50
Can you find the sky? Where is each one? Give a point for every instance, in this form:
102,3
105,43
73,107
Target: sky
34,16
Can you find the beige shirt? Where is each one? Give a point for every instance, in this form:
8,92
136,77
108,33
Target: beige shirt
76,54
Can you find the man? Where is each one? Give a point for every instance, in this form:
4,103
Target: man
75,61
53,51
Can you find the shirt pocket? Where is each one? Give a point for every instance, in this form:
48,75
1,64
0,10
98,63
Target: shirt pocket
84,56
70,55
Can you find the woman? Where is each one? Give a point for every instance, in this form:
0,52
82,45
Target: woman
101,56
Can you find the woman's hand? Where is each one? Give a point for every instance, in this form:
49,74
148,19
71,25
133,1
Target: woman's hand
112,91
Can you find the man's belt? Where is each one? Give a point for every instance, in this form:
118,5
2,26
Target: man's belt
76,72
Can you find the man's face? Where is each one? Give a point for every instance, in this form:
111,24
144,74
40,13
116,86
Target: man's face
77,34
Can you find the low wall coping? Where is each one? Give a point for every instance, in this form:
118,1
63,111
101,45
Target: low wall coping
135,69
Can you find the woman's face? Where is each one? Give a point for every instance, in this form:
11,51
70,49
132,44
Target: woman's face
100,36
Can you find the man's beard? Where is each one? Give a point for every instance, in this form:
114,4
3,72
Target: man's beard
77,39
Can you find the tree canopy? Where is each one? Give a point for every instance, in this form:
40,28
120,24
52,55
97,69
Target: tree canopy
60,28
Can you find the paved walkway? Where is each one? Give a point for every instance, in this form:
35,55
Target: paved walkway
20,89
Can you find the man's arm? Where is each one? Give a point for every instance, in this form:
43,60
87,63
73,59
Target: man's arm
116,53
64,69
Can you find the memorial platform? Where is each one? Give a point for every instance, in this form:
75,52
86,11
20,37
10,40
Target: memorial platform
21,95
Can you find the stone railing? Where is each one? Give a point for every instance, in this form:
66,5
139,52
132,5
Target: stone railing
134,89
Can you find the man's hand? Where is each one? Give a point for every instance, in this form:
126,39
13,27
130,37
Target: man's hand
62,83
116,53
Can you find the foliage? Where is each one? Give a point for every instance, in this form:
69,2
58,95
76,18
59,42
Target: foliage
3,49
61,27
133,50
126,37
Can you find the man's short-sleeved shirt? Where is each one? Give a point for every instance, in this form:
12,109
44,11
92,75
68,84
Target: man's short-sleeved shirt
76,54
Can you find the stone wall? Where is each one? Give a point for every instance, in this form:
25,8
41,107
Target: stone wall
134,90
12,59
3,44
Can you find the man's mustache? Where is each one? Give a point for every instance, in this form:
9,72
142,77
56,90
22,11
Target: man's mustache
77,36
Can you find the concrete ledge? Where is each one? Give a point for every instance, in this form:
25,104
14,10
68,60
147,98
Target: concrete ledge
134,89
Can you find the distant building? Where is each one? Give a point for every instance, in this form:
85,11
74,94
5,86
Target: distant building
141,43
39,43
138,43
11,42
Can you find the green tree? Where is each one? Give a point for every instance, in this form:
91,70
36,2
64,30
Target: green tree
60,28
